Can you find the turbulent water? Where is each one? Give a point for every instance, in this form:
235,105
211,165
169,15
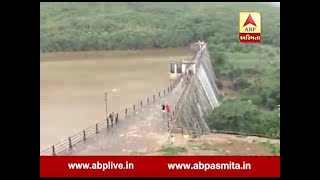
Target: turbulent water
209,92
201,97
72,86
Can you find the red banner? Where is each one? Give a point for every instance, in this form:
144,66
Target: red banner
160,166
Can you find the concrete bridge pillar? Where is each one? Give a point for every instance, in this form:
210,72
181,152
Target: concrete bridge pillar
194,69
184,68
175,68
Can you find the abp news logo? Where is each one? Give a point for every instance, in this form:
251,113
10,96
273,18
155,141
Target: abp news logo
250,27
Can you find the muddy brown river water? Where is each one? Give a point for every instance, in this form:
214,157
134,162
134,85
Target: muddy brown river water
72,86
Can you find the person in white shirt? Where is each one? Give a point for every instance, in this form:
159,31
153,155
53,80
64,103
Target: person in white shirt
172,139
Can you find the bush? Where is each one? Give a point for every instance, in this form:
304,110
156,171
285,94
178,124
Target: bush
219,84
252,70
254,98
242,82
219,58
269,124
264,92
234,115
237,72
245,117
225,70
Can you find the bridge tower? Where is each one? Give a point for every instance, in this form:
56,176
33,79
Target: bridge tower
182,67
185,67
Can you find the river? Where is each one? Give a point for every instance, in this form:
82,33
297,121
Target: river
72,86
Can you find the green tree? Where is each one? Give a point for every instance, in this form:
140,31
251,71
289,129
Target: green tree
234,115
245,117
148,25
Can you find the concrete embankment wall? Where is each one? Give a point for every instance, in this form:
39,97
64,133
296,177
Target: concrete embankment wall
201,96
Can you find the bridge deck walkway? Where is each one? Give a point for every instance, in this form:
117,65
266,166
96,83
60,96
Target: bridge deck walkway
144,129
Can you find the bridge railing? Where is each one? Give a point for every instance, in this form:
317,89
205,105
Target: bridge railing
177,113
95,129
149,99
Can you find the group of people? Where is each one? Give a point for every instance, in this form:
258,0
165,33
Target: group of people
166,109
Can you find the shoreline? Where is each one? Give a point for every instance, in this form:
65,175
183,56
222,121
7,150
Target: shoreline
113,53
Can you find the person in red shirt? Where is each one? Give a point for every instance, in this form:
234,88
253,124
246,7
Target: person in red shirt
168,110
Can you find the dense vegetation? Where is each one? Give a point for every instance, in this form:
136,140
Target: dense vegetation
253,70
99,26
255,79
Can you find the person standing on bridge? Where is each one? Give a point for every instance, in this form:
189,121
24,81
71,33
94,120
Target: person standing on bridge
181,80
172,139
114,116
163,107
111,118
168,110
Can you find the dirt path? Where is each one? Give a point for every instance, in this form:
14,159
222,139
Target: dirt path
145,129
217,145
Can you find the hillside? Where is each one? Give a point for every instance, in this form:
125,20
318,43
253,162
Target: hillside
248,74
70,26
